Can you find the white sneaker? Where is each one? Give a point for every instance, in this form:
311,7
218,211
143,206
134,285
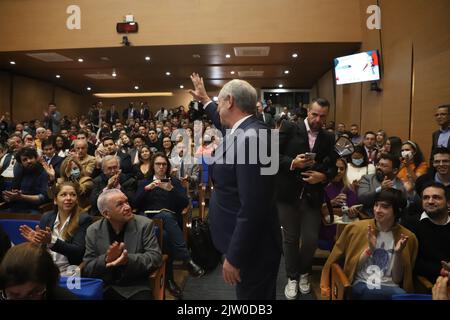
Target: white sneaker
291,289
304,285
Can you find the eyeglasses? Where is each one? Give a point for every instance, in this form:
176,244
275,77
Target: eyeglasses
161,164
441,162
36,294
441,115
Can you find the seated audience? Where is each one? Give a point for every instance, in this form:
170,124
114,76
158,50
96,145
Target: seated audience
111,178
439,172
141,169
165,198
29,186
413,163
28,272
359,166
72,171
385,177
432,229
122,249
62,231
379,248
86,161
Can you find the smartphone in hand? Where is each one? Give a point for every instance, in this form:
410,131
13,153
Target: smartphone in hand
310,155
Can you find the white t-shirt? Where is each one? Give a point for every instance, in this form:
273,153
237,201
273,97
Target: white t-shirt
378,267
355,173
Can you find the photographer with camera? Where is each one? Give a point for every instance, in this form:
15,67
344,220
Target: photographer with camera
307,164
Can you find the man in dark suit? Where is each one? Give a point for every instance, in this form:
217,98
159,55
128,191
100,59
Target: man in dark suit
112,115
307,164
50,157
243,216
130,113
441,137
265,117
121,249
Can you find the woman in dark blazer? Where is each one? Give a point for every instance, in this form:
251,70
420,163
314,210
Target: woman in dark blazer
64,230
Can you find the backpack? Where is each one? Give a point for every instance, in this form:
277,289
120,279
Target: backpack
202,248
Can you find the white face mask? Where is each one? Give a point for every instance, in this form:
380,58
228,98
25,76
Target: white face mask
407,154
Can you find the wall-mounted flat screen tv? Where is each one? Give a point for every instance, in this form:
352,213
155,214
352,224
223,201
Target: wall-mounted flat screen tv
357,67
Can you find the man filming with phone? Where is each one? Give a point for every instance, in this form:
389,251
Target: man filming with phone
307,164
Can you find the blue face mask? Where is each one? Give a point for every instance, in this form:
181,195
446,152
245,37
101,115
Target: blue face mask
75,173
357,162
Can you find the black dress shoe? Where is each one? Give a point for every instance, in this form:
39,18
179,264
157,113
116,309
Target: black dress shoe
194,269
174,289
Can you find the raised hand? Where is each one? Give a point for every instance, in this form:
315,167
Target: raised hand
50,170
199,92
387,183
401,243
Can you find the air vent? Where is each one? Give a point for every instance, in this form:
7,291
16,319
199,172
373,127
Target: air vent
49,57
247,74
100,76
251,51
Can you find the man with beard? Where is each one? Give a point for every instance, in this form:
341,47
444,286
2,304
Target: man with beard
384,178
432,229
29,186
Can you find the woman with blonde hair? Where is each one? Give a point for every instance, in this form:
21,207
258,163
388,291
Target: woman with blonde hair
72,171
63,231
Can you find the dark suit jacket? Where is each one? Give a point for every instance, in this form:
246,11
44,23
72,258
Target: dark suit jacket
126,111
242,211
268,119
144,255
56,163
72,248
294,141
127,186
115,116
435,142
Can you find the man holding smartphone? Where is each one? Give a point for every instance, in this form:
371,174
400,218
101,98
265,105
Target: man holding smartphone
307,164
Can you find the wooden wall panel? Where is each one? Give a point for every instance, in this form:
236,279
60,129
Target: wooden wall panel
5,88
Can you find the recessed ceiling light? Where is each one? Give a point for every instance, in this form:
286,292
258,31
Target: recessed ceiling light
295,55
80,60
147,58
181,86
286,71
271,94
196,56
12,62
114,74
232,72
136,87
277,94
280,86
58,76
228,56
167,73
88,88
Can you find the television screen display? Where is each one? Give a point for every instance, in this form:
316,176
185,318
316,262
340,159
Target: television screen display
358,67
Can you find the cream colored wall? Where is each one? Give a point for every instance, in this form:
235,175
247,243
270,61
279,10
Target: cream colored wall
415,45
42,23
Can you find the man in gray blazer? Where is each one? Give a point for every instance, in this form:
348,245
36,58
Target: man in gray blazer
121,249
385,177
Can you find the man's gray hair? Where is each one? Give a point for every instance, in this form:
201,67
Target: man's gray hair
79,141
244,94
103,199
108,158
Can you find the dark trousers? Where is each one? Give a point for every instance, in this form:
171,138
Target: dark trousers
301,222
259,278
174,236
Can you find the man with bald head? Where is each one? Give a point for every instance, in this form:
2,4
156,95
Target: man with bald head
87,161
